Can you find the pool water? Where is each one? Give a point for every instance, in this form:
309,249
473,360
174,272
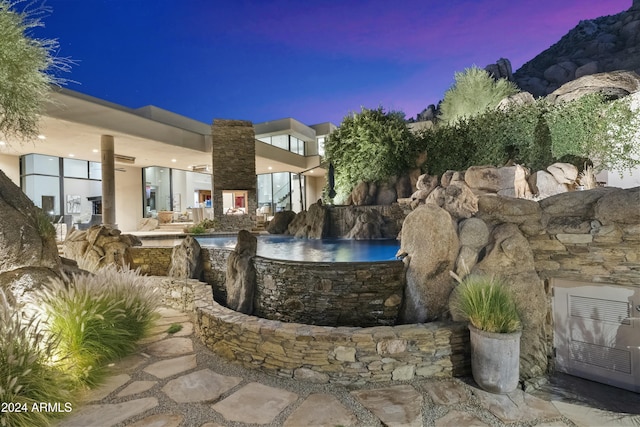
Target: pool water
315,250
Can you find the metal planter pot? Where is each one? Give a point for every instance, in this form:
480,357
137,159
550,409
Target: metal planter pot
495,360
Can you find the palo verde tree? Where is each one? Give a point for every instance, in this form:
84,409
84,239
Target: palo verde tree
27,67
473,92
372,145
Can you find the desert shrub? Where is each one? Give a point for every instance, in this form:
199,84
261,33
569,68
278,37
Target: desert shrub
46,230
203,226
27,374
473,92
97,319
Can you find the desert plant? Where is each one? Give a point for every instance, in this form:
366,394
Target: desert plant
487,304
97,319
27,376
26,66
203,226
46,230
473,92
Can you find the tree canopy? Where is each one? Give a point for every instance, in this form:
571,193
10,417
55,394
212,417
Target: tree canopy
369,146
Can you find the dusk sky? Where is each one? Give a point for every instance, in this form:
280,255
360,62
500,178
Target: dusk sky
315,61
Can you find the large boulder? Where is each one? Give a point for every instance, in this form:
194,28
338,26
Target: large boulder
473,235
368,224
579,204
280,222
564,173
98,246
526,214
459,200
430,243
620,206
27,238
186,262
615,84
544,185
364,193
311,224
240,281
491,179
386,193
509,257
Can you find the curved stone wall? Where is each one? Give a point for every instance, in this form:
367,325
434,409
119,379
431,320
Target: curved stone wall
344,355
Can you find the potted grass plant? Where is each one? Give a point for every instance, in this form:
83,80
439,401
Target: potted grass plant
495,329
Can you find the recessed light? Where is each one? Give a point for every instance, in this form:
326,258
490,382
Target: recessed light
95,150
3,143
270,168
42,136
173,160
71,155
311,171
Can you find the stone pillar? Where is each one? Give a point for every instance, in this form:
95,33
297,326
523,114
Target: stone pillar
234,168
108,181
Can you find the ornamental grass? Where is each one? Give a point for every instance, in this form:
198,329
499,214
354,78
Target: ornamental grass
487,304
28,375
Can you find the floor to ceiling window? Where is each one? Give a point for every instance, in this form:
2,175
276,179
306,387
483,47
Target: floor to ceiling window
281,191
175,190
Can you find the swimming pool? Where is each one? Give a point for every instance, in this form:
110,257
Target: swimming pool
314,250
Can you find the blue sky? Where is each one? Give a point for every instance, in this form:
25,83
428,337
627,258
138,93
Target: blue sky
315,61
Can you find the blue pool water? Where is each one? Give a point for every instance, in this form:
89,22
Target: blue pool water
314,250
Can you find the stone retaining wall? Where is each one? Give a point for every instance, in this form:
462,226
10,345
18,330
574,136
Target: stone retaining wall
344,355
152,261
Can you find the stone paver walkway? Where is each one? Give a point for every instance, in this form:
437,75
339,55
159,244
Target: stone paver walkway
174,381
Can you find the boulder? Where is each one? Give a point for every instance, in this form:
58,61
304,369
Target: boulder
431,244
403,186
427,182
526,214
459,200
240,280
311,224
579,204
18,283
520,184
436,197
473,234
368,225
614,84
517,100
280,222
27,238
544,185
98,246
620,206
364,193
186,262
509,257
386,193
490,179
147,224
564,173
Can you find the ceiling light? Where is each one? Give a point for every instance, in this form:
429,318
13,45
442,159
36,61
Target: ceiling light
71,155
3,143
95,150
173,160
42,136
270,168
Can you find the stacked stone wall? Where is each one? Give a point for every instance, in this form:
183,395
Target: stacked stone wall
333,294
152,261
343,355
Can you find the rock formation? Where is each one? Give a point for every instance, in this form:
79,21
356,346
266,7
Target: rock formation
280,222
608,43
310,224
430,246
186,262
240,282
28,252
98,246
613,85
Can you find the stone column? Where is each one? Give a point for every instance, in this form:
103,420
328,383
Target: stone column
108,181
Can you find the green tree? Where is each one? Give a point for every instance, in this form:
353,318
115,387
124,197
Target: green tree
473,92
372,145
27,65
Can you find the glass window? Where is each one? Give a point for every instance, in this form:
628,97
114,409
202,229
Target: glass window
157,190
40,164
282,191
265,193
297,192
74,168
266,139
321,145
95,170
281,141
44,191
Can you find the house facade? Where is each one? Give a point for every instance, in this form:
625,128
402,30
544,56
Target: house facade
96,157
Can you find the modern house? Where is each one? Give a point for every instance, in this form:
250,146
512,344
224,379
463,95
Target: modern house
154,160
